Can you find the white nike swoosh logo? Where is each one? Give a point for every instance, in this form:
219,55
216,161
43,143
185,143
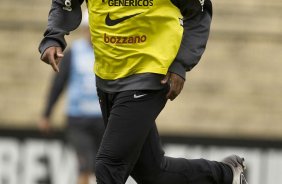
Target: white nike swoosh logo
139,96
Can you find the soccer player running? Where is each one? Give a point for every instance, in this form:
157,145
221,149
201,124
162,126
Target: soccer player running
143,48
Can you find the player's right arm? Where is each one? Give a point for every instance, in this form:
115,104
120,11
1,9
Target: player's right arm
64,17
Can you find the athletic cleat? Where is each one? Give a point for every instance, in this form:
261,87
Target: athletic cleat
237,165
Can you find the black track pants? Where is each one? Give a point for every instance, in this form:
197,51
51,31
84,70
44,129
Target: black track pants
131,145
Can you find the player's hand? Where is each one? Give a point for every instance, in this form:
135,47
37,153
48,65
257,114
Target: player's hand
44,125
175,83
53,56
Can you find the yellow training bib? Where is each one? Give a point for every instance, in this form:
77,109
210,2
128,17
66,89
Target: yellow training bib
134,36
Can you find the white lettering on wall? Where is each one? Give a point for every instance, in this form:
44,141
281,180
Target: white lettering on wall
9,161
35,161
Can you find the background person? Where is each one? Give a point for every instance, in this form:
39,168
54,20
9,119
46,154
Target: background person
84,126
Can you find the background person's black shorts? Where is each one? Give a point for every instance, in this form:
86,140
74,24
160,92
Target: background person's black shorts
84,134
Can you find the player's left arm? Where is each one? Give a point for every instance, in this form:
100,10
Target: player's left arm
197,16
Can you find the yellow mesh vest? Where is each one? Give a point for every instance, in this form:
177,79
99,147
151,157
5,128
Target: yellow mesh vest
133,36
